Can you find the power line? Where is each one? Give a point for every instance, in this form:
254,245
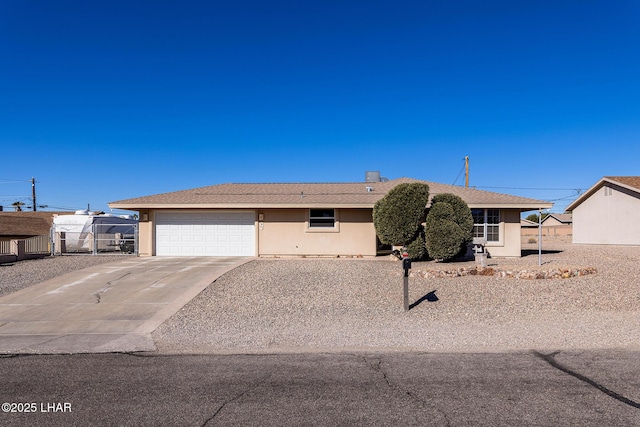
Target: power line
563,198
20,198
61,208
459,173
13,181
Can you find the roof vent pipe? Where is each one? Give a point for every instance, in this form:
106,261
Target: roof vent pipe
372,176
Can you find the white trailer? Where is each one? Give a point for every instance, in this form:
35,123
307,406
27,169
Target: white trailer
88,232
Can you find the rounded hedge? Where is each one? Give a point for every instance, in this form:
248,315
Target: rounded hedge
448,227
461,213
397,216
417,248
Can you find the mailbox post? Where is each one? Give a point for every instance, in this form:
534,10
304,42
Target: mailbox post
406,265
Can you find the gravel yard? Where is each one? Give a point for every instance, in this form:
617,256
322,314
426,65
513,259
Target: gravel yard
316,305
293,305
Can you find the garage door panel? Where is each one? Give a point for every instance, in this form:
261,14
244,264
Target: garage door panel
205,234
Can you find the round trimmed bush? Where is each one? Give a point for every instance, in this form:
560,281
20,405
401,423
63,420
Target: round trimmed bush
446,238
417,248
397,216
461,213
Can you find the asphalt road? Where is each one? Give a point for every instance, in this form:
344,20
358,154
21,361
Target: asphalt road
591,388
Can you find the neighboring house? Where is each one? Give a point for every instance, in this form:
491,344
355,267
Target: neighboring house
608,213
303,219
24,235
21,225
528,228
557,225
552,225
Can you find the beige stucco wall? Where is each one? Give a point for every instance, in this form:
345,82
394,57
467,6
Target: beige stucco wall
559,230
608,217
528,231
285,232
550,221
146,246
510,242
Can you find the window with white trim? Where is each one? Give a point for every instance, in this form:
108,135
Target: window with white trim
486,224
322,218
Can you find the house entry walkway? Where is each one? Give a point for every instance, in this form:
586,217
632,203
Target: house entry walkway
111,307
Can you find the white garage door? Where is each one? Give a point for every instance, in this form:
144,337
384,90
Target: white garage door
230,233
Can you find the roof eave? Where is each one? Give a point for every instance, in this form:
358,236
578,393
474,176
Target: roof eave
584,196
140,206
595,188
521,206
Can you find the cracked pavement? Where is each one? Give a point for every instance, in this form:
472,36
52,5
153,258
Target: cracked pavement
590,388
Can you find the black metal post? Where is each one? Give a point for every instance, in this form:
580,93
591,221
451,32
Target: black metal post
406,290
406,264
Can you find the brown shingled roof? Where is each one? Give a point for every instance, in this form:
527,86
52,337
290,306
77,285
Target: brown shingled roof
631,181
289,195
17,225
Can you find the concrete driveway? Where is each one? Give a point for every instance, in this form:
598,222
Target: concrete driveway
106,308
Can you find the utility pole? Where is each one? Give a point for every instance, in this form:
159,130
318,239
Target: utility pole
466,171
33,192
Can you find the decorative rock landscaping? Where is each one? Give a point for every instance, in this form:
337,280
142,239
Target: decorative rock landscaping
556,273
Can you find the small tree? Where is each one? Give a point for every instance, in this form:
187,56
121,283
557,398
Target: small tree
397,216
535,218
448,227
532,218
18,206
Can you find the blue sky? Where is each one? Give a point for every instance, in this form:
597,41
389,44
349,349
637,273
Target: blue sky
102,101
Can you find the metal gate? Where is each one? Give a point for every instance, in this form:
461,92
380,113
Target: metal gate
97,239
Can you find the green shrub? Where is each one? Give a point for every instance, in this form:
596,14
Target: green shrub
448,227
397,216
417,248
461,212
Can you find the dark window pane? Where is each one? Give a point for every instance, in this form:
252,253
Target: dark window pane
493,216
321,213
322,218
478,216
321,222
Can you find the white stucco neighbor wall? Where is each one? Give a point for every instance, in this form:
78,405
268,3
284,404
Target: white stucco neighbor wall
610,216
